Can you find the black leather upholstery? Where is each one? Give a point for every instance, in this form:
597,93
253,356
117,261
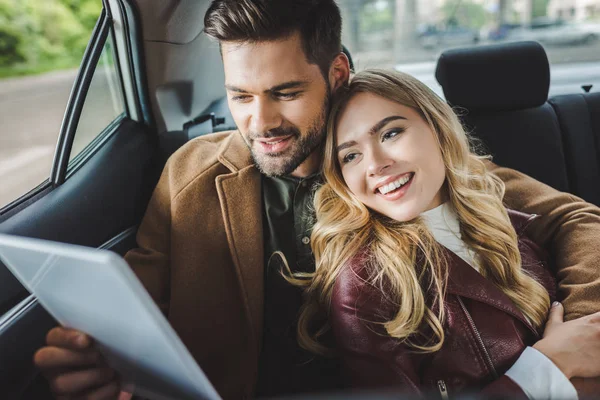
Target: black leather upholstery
510,76
527,140
503,93
579,118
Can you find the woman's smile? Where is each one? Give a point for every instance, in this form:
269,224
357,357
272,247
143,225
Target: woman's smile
389,157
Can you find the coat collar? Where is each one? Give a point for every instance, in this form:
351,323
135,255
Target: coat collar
234,153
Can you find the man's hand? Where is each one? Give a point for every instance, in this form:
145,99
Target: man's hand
75,369
573,346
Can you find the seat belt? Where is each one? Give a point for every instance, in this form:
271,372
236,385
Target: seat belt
202,125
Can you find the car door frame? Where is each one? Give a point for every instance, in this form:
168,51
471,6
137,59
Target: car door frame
19,216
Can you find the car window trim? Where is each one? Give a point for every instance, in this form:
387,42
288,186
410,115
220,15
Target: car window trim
135,50
129,46
19,309
80,159
25,200
77,98
92,147
117,61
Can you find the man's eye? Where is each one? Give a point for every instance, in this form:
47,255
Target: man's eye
240,98
349,158
287,96
391,134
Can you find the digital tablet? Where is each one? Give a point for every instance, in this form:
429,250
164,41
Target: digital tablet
96,292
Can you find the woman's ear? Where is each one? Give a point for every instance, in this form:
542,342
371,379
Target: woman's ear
339,72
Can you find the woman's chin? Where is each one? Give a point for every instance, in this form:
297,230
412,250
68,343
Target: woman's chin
402,215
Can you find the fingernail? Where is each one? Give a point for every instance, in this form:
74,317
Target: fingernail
555,304
81,340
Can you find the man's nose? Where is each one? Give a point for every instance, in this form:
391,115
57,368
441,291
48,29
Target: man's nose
265,116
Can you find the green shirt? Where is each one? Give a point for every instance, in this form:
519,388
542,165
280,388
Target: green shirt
288,218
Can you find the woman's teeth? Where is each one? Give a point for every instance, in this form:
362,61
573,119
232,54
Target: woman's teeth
385,189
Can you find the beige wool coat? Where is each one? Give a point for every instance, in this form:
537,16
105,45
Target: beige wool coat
201,258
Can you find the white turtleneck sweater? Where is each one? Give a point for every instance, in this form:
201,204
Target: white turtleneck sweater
535,373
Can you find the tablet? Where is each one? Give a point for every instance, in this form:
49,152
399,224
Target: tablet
96,292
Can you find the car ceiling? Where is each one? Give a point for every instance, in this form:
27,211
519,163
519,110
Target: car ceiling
183,66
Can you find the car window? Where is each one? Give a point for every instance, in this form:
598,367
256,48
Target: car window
41,46
103,103
409,35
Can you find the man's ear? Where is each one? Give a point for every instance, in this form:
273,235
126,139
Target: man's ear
339,72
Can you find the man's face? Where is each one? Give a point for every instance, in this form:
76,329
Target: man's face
279,103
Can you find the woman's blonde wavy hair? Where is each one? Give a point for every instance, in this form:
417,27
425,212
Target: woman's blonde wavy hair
405,262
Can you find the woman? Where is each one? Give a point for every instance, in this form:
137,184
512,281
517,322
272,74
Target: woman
425,279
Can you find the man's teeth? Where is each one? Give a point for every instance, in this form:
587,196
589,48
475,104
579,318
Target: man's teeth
275,142
394,185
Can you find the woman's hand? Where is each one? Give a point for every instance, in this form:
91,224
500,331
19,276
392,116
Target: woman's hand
573,346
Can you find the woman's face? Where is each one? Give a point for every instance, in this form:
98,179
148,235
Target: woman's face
389,157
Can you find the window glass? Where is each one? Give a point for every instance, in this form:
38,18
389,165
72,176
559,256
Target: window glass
409,35
103,102
41,45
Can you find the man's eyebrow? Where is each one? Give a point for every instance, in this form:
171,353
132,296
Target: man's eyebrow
287,85
276,88
378,126
232,88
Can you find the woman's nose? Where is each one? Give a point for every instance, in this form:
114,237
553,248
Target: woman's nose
378,166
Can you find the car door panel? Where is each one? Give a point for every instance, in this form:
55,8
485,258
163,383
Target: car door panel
100,205
108,192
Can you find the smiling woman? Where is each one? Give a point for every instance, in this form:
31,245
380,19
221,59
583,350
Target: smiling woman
418,261
394,155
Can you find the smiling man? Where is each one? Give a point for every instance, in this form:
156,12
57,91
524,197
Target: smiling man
280,114
228,205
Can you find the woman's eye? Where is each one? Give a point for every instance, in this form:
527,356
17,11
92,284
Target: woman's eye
391,134
349,157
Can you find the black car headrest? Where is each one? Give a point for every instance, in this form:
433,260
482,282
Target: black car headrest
499,77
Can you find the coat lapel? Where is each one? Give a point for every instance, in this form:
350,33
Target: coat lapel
241,204
465,281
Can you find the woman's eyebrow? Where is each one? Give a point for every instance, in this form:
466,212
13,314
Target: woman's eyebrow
378,126
345,145
374,129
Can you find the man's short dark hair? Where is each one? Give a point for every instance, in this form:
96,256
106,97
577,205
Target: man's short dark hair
318,21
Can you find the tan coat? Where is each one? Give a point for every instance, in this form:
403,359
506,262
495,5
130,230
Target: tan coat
201,252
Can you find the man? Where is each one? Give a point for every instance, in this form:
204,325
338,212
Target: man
226,203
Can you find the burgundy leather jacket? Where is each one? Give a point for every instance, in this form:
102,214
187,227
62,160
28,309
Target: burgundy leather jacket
485,333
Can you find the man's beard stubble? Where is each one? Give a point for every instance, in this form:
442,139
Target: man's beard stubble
304,146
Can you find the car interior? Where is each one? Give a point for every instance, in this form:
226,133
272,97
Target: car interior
502,93
172,83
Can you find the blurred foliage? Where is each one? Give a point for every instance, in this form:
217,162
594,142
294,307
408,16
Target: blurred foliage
43,35
539,8
465,14
377,15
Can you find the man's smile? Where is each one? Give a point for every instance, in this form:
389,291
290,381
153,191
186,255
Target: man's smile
274,145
